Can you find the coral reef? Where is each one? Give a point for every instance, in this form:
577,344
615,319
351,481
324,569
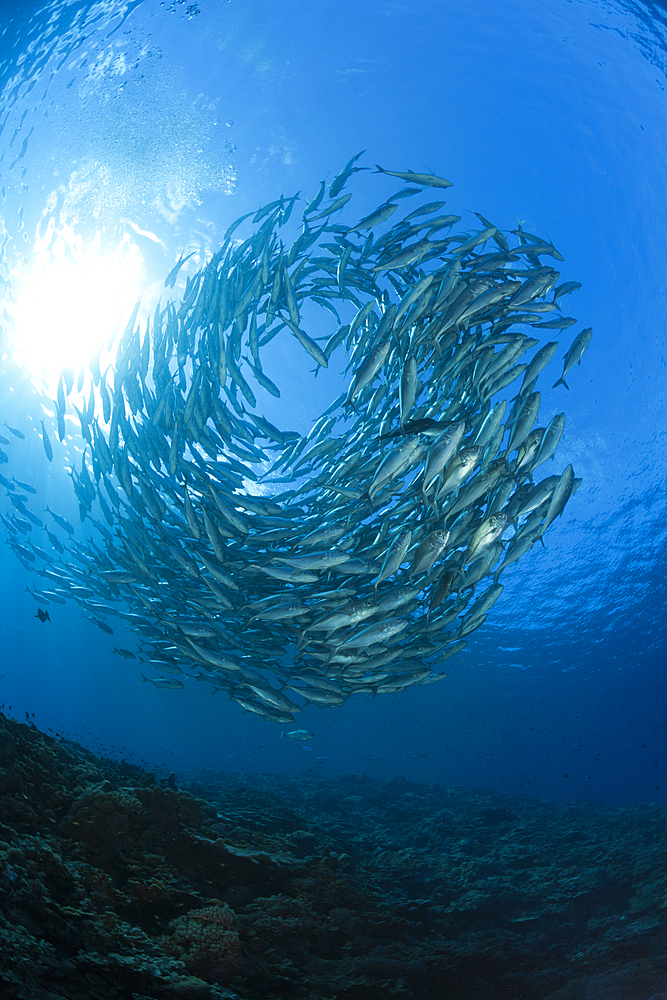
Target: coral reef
206,940
115,884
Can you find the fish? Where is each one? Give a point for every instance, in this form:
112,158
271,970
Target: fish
575,353
61,521
380,215
47,443
264,711
316,560
313,349
549,443
518,546
429,180
524,421
170,280
335,207
299,734
340,179
24,486
566,288
371,366
43,615
161,682
538,362
428,551
396,555
317,696
561,494
100,624
357,553
395,463
488,532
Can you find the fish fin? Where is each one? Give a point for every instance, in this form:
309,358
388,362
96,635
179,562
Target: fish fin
144,679
561,381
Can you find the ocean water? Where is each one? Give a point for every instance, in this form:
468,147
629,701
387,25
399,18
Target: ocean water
130,133
507,823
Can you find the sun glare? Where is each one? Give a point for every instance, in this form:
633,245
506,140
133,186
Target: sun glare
68,309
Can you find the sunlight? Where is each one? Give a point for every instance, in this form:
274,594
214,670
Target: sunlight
71,304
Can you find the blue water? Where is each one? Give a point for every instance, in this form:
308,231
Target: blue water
156,125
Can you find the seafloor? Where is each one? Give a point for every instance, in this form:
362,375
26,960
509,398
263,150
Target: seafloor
115,884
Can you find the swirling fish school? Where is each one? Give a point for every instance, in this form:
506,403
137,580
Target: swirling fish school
358,557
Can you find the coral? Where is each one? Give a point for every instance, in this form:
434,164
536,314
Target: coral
270,888
207,941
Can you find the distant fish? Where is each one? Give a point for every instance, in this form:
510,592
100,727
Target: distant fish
62,521
17,433
170,280
299,734
100,624
43,615
161,682
125,653
24,486
47,443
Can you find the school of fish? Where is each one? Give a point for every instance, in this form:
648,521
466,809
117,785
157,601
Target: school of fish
356,558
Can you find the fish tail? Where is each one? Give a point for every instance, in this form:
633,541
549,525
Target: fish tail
561,381
144,679
301,639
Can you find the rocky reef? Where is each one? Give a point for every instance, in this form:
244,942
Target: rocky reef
116,884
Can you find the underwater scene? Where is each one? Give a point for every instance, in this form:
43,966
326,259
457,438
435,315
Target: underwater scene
333,452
